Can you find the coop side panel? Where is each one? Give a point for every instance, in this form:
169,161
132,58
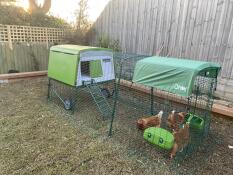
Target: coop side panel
63,67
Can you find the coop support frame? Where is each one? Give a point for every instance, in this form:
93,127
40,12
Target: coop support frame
116,89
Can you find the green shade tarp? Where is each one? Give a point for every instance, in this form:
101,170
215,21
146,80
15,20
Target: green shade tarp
171,74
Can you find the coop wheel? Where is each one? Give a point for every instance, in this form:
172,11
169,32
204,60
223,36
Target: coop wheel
68,104
105,92
113,93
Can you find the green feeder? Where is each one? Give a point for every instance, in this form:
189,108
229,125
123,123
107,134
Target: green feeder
160,137
195,121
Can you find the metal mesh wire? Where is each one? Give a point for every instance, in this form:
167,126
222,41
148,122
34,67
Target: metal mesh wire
135,102
127,102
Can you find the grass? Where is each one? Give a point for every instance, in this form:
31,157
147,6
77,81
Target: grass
38,137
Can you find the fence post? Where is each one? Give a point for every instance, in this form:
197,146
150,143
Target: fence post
47,40
1,38
9,37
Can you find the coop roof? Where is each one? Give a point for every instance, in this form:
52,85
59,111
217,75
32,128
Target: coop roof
74,49
172,74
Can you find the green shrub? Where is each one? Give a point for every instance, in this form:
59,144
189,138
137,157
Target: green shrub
106,42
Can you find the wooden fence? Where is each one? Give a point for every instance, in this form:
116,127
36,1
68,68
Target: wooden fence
196,29
20,34
23,57
26,48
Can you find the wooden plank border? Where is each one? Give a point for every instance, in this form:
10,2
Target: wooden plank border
217,108
6,78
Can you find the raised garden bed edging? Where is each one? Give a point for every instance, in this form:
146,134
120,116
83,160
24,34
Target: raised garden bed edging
10,78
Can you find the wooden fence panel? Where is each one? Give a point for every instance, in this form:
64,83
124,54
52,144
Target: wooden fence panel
30,34
23,57
195,29
26,48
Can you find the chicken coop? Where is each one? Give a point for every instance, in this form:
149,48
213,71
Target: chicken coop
163,105
77,72
159,107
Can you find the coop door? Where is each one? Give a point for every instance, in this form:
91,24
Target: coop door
85,69
96,69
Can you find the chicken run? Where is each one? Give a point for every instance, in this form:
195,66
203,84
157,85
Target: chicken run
167,100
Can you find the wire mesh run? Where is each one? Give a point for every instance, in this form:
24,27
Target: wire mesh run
141,109
125,104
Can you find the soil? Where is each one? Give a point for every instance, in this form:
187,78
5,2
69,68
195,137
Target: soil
37,136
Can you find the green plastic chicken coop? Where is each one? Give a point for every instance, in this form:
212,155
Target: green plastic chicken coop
73,65
139,86
81,67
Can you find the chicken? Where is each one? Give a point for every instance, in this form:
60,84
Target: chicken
175,119
181,116
153,121
171,121
182,139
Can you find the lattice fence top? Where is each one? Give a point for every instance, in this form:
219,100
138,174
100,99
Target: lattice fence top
14,33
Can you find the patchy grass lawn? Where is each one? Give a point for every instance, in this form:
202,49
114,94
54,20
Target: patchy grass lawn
37,137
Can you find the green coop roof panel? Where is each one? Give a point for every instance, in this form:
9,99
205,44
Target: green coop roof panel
74,49
172,74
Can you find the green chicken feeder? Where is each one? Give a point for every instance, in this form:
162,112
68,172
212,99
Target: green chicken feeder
195,121
159,137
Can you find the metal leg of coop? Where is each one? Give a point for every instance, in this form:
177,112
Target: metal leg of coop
116,89
209,104
69,103
49,86
74,102
188,106
196,99
152,101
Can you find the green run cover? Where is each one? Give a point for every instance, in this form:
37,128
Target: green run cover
172,74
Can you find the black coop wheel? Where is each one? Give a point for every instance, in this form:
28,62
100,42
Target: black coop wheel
68,104
106,92
113,93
